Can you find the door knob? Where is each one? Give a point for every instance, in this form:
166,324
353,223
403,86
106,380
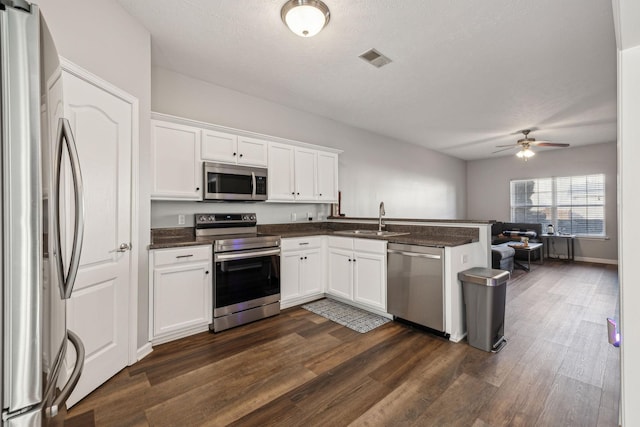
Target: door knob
124,247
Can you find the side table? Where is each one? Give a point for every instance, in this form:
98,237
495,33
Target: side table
569,238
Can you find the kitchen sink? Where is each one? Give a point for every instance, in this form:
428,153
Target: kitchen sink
369,233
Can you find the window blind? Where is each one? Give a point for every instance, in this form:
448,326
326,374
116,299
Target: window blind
573,204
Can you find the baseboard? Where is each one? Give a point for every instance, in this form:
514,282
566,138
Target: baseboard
597,260
144,351
299,301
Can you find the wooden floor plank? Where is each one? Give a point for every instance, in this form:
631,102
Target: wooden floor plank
570,403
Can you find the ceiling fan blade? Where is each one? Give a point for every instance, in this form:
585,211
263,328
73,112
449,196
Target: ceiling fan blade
549,144
505,149
509,145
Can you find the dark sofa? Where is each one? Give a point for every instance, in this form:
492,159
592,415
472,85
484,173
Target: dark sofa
502,233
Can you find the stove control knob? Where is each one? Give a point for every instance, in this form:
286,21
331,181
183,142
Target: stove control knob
212,218
245,217
253,217
202,218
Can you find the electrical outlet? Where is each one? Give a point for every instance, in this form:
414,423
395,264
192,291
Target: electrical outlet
293,216
465,258
180,219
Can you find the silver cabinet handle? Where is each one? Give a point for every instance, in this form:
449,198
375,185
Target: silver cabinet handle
184,256
73,378
67,278
124,247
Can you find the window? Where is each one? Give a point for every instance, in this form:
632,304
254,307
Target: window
573,204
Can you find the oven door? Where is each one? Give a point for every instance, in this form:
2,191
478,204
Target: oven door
245,279
227,182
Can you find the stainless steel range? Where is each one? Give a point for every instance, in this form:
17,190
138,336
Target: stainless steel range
246,284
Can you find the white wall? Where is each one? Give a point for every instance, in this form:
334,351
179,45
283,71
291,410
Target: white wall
627,16
488,188
99,36
413,182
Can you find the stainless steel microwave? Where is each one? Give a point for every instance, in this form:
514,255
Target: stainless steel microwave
234,183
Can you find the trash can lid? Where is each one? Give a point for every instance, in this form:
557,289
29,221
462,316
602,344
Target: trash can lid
484,276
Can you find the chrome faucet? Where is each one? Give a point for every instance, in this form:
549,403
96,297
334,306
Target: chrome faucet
381,213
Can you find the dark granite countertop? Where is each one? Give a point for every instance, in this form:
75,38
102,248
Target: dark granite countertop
439,236
448,221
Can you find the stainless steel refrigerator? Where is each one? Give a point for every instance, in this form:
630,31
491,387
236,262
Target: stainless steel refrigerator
39,265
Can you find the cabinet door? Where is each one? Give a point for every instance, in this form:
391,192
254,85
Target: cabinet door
252,152
370,280
219,146
305,174
290,263
176,170
181,297
340,273
280,180
327,185
311,275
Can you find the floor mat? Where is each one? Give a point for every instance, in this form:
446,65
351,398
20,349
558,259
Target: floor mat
352,317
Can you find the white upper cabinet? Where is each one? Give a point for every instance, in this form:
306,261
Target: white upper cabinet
252,151
305,174
297,172
302,174
176,169
229,148
219,146
327,173
280,181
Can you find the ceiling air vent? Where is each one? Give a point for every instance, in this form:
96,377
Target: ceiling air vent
375,58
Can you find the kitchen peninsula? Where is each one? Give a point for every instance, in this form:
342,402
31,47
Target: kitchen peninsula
465,245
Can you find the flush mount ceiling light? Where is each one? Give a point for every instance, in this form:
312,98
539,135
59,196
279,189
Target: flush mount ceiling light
305,17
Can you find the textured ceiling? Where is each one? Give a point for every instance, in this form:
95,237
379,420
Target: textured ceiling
466,74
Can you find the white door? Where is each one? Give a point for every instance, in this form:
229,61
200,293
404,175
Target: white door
311,277
98,310
369,280
305,173
252,152
340,273
280,181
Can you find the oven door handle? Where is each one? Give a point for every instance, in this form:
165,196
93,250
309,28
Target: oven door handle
243,255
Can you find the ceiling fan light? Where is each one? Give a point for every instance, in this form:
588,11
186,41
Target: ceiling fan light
305,18
525,153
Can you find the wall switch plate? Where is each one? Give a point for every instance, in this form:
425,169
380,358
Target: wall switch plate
465,258
180,219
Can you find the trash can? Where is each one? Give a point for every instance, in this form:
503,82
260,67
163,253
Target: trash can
484,294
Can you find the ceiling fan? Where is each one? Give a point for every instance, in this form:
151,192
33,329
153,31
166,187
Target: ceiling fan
525,144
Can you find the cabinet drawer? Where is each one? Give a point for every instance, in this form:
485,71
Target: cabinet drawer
181,255
370,245
296,243
341,242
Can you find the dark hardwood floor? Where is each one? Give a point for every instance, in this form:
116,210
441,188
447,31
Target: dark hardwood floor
299,369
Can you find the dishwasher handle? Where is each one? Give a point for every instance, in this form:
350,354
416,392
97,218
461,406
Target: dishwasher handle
413,254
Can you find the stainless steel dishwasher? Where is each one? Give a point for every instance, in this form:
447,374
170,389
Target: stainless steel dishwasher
415,285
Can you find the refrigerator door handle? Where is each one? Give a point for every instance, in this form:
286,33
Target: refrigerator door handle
52,411
65,136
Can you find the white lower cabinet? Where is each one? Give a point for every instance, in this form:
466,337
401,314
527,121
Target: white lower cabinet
302,270
180,296
358,271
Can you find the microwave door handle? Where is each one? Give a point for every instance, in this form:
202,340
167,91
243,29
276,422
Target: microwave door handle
253,185
65,136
